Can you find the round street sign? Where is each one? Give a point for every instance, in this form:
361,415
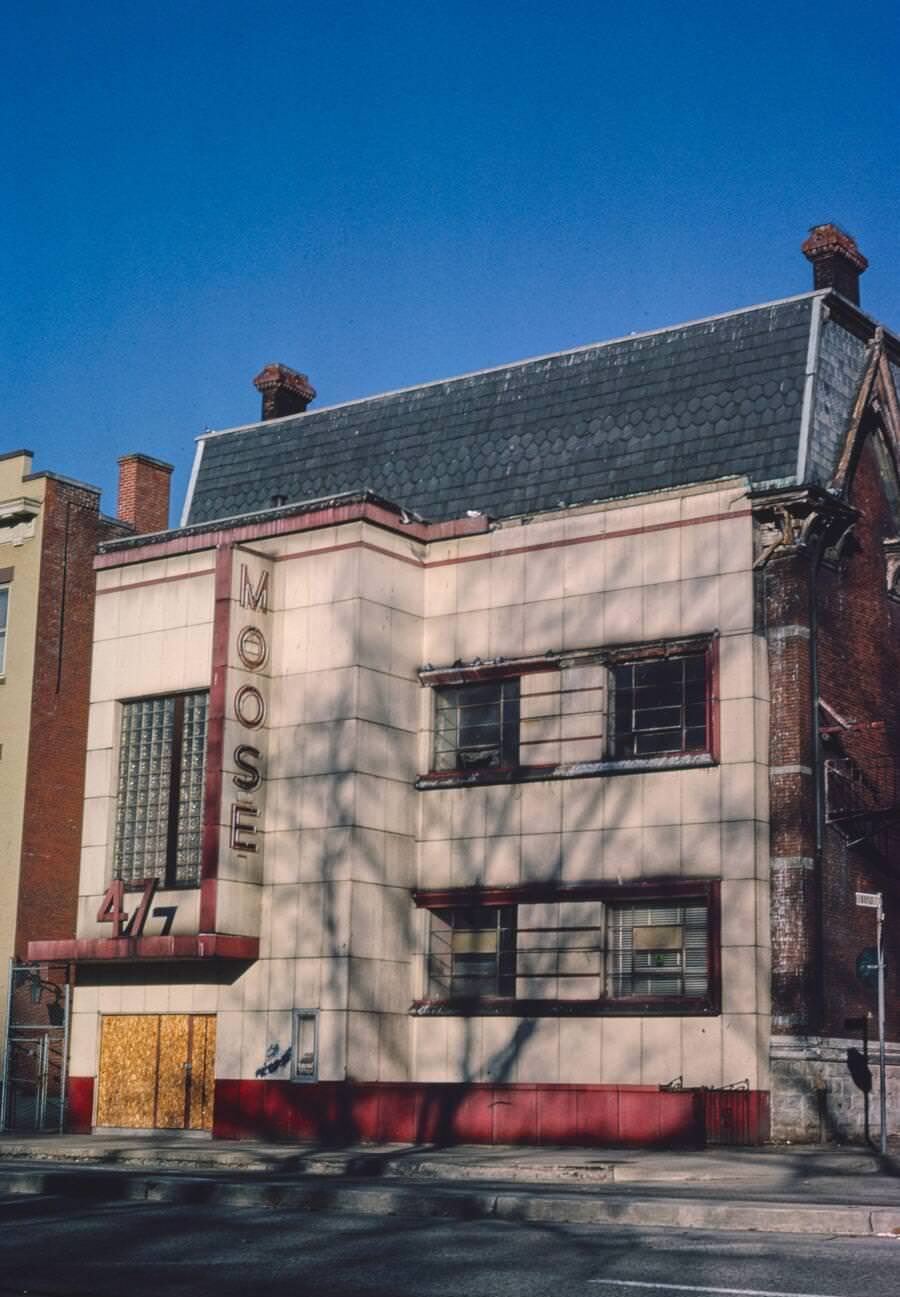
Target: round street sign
867,966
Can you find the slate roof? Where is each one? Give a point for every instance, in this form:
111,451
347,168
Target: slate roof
697,402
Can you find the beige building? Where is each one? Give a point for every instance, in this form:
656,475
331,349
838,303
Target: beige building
50,527
450,817
21,520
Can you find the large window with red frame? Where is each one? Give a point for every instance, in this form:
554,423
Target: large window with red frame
580,950
583,713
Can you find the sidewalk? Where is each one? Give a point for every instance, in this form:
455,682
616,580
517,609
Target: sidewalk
818,1190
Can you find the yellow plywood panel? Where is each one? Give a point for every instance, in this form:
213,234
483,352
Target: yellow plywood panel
171,1089
203,1060
127,1081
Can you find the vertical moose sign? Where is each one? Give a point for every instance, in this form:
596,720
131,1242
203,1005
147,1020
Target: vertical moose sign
248,691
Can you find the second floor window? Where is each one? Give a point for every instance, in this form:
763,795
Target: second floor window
159,809
651,704
659,707
477,726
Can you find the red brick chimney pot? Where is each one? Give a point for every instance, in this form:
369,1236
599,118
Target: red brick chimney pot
284,391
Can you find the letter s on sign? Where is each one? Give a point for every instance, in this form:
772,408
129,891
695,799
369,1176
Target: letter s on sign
251,777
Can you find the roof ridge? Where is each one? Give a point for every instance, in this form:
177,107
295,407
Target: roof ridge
515,364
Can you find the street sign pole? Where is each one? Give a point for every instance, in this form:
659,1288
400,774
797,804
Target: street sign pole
875,901
882,1070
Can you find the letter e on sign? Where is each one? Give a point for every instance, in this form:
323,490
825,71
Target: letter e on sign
243,829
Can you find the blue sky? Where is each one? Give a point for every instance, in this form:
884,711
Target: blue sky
383,194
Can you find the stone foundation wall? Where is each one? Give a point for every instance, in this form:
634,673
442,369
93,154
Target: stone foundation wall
814,1098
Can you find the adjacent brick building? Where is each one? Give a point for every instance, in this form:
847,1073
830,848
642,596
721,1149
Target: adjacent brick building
50,529
499,759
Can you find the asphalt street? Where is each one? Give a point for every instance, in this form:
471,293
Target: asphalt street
53,1247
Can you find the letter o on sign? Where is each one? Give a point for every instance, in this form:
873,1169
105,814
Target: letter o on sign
252,648
250,707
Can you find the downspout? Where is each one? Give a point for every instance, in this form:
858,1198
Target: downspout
819,315
818,775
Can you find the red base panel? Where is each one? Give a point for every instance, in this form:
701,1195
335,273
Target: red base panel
79,1105
333,1112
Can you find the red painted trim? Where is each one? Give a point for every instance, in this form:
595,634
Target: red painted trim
529,893
470,674
713,718
436,779
215,740
331,516
714,944
383,518
416,1113
79,1105
157,580
632,1006
206,945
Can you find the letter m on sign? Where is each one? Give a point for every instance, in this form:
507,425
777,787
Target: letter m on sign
256,597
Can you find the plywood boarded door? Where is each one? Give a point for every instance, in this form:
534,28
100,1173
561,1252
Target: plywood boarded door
157,1071
202,1074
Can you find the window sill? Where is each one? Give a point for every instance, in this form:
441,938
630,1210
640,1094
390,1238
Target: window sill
669,1006
576,770
134,889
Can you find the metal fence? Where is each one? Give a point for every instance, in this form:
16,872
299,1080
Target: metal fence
35,1051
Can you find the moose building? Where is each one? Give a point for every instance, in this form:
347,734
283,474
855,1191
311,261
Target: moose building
499,759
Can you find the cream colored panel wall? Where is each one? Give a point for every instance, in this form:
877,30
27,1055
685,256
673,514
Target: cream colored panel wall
653,569
153,639
182,917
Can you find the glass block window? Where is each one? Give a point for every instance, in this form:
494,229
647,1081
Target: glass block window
660,706
4,618
477,726
657,950
159,811
473,951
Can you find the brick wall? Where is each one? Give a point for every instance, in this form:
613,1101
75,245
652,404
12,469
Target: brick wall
817,929
48,886
859,676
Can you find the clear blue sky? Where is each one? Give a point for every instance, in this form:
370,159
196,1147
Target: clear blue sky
384,193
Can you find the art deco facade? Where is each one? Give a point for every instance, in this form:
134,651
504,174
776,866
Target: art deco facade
453,769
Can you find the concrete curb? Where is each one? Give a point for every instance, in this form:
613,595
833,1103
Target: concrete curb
451,1202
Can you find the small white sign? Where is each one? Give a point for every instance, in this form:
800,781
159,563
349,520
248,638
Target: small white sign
870,899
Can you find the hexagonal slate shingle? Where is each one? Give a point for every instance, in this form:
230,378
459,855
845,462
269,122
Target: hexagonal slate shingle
697,402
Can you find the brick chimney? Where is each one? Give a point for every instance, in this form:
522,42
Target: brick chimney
144,493
283,390
837,261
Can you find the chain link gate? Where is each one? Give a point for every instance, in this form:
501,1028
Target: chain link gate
35,1054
